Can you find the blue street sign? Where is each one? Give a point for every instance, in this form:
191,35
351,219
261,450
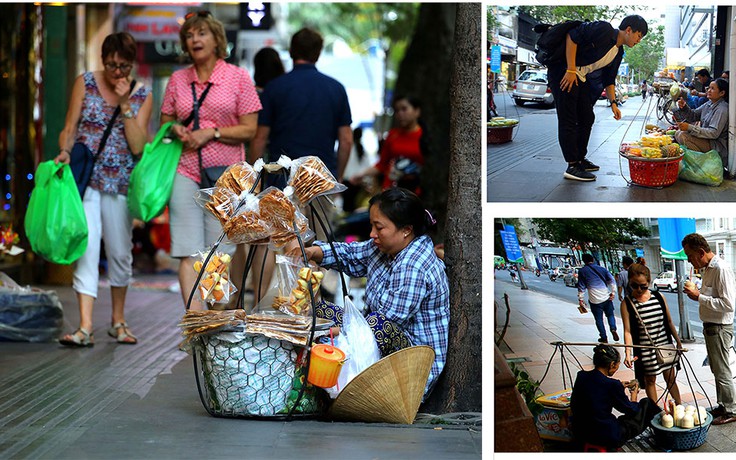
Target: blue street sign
671,233
639,252
495,59
511,244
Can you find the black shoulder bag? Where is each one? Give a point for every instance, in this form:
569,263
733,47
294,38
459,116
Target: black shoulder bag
207,176
81,160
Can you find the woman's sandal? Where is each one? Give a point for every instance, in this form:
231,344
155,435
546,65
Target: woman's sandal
79,338
124,336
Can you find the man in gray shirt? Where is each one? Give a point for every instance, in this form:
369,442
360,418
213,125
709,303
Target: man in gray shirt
622,280
716,300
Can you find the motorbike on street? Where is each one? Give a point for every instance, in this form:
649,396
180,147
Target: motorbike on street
552,276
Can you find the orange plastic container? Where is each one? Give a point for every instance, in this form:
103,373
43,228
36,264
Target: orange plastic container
325,365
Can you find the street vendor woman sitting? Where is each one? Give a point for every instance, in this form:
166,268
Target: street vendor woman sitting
407,290
595,395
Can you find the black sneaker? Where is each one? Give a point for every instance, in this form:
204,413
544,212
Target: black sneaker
589,165
576,172
602,340
615,336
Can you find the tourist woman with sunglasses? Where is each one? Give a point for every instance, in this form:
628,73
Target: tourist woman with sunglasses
227,118
645,314
95,97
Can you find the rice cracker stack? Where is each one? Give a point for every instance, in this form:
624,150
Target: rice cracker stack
238,178
280,213
247,227
311,179
222,204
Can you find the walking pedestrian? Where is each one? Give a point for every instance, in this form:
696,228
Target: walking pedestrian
716,299
593,51
647,321
622,280
644,89
227,117
601,289
95,96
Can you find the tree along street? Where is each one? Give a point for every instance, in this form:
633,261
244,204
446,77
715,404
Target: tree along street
558,289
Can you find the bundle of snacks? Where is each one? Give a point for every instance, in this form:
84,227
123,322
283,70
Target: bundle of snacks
247,226
310,178
215,285
280,214
219,201
200,322
238,178
298,300
295,329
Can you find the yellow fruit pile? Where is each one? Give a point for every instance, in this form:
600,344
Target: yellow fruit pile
655,140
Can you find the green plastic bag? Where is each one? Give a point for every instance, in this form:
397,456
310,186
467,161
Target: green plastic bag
702,167
153,177
55,222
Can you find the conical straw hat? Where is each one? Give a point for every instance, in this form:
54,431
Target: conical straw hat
389,391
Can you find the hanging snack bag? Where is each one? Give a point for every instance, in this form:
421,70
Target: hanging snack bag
215,285
289,292
238,178
219,201
281,215
310,178
246,226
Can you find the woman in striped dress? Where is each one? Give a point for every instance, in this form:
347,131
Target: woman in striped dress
646,309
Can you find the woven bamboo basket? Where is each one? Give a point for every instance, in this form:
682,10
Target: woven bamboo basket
389,391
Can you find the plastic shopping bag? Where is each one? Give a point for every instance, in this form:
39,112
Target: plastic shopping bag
55,222
357,341
152,178
702,168
28,314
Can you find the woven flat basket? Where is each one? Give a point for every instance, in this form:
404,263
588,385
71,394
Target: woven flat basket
389,391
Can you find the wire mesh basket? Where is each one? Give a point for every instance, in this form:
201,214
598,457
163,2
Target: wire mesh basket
680,438
248,375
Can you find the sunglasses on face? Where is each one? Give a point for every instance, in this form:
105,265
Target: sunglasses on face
112,67
635,286
201,14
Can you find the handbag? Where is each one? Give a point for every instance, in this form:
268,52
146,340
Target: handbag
207,176
81,159
664,357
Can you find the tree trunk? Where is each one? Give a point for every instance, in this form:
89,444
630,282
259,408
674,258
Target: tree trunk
425,73
459,388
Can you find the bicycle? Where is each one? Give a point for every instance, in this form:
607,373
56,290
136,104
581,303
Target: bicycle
665,103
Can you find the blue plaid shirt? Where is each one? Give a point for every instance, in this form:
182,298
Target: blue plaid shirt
411,290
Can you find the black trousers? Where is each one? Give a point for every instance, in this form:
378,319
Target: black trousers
633,425
575,116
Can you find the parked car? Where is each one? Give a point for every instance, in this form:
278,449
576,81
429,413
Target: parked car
571,277
665,280
532,86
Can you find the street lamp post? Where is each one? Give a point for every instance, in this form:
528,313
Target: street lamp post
686,333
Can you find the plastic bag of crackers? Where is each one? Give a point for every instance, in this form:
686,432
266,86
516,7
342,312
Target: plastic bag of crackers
289,293
247,226
310,178
215,285
283,218
238,178
221,202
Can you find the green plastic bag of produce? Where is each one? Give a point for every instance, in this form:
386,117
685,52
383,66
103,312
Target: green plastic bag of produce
55,222
153,177
702,167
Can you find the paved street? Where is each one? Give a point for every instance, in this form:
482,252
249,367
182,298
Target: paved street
538,319
530,167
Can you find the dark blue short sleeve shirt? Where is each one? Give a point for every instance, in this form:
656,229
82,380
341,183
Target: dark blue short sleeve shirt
304,109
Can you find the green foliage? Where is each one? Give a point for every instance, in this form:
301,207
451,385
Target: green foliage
559,13
644,59
528,389
591,233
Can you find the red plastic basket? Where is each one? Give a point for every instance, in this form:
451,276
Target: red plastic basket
500,134
654,172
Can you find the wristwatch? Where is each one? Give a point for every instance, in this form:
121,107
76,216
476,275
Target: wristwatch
217,134
613,102
128,114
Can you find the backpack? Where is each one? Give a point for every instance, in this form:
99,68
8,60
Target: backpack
550,46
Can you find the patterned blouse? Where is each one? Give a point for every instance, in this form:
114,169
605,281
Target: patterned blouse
112,169
231,96
410,289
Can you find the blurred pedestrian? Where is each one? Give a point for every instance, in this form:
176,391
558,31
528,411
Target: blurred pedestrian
594,51
622,280
595,395
716,300
644,89
227,118
267,65
705,128
726,74
704,78
95,96
647,321
305,113
601,288
404,149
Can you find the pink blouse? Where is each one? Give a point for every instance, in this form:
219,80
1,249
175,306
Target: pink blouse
232,95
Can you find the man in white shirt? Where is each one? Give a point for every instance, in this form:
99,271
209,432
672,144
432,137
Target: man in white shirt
601,288
716,300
